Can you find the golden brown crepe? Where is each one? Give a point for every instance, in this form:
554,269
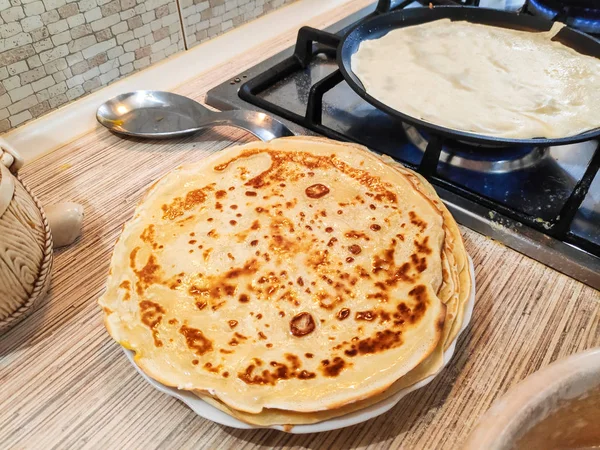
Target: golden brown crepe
296,276
483,79
454,295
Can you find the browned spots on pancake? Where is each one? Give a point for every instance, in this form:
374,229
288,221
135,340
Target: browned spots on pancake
149,236
331,242
201,304
365,315
440,324
195,362
318,260
196,340
354,249
254,243
343,314
352,234
300,281
280,244
206,253
380,296
233,323
333,368
149,274
316,190
214,291
328,229
262,335
302,324
125,284
250,194
309,355
219,206
379,342
132,257
250,268
220,194
284,167
173,321
293,360
209,367
179,205
423,247
419,294
420,264
375,227
362,273
225,374
151,315
417,221
384,264
279,371
349,259
405,314
236,339
327,301
255,225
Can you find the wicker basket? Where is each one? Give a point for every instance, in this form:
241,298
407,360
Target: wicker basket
25,244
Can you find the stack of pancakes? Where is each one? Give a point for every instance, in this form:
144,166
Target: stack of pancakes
289,282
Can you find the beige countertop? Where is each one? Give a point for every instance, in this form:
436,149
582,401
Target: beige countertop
66,384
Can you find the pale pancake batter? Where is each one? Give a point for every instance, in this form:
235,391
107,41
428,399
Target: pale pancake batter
482,79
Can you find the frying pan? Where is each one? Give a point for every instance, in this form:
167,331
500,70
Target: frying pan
381,24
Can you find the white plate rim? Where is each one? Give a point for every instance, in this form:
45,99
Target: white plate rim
214,414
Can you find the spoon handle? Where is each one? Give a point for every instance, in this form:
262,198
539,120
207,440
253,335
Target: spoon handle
261,125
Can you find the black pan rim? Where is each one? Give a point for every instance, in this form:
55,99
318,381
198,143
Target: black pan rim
357,87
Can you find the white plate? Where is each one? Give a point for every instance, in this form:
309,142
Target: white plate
209,412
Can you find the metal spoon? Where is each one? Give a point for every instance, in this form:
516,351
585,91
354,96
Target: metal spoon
162,115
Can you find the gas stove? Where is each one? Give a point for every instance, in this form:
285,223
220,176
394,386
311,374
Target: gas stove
541,201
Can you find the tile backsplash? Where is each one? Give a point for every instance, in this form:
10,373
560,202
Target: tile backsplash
204,19
55,51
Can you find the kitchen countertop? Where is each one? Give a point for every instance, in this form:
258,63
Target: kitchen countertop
65,383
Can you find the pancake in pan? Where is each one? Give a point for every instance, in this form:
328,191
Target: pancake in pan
483,79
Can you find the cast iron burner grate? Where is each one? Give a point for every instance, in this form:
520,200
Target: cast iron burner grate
544,202
581,14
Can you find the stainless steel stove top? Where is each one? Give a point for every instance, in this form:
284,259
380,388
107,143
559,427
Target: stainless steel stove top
487,189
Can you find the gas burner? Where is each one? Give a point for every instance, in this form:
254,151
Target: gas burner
475,158
583,15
